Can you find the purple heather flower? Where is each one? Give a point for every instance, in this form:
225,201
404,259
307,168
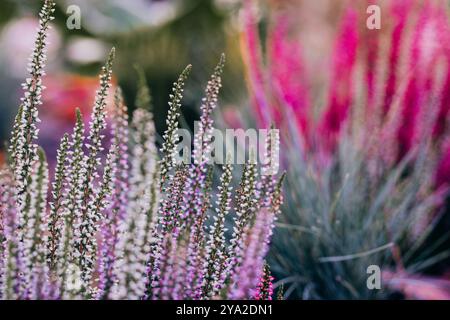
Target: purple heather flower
23,147
265,286
93,202
251,260
153,242
216,253
35,271
11,262
116,210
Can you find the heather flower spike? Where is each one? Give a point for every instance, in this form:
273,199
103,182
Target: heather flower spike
16,132
199,182
144,199
268,180
171,208
100,203
143,97
144,158
117,206
202,145
34,250
72,197
246,200
130,226
203,137
280,292
276,197
249,259
247,271
197,239
170,135
216,248
133,249
265,286
11,262
56,206
92,203
24,147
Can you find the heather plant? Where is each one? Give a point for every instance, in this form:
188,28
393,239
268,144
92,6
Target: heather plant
340,220
132,224
374,84
368,158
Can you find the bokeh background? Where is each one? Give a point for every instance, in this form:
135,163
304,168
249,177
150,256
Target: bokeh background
161,37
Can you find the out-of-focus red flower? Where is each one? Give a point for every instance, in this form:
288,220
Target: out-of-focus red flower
63,95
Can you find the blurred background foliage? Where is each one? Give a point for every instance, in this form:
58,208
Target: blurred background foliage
160,36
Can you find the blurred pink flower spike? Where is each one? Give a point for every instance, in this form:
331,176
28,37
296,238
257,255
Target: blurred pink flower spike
444,106
287,73
424,53
407,94
371,43
340,92
418,287
251,52
399,13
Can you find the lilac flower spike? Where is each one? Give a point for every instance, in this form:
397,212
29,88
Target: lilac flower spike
196,194
116,211
132,253
92,201
55,223
72,203
23,147
216,249
34,250
245,208
170,135
11,262
249,260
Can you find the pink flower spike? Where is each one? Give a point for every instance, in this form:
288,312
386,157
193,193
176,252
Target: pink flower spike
288,74
340,93
250,46
400,12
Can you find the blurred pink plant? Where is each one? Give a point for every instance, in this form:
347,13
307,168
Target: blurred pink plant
340,95
286,71
418,287
398,78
